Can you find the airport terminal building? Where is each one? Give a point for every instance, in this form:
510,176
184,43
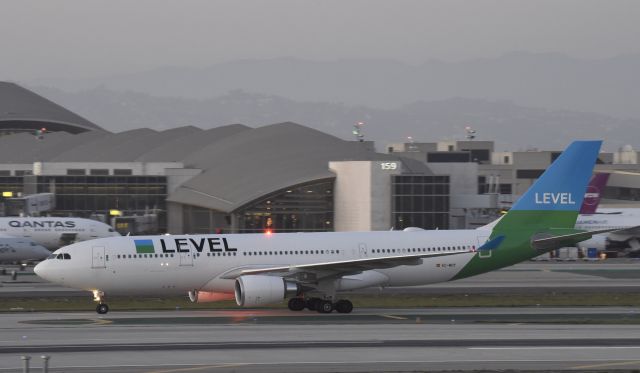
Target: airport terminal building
283,177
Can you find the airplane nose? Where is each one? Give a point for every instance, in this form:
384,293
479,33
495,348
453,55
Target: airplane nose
38,268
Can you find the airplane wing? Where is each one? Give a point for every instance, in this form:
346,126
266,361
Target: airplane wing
340,268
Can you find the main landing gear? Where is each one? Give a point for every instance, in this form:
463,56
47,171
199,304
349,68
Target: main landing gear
320,305
102,308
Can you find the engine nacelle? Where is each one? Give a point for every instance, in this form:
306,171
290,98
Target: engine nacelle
208,296
599,242
257,290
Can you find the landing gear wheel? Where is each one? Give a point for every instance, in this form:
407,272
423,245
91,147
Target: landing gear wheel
296,304
344,306
325,306
102,308
312,304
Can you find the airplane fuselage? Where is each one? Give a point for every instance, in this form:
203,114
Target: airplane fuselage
54,232
171,265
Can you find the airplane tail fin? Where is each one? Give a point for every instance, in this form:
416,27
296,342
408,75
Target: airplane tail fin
543,218
594,193
554,200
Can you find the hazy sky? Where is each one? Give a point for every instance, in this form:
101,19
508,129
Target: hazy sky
83,38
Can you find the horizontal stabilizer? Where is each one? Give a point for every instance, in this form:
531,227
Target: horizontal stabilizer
549,241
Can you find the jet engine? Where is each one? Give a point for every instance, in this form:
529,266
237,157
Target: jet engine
258,290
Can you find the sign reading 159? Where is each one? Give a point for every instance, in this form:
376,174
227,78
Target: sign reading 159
389,166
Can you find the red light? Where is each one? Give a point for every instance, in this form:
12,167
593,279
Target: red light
268,232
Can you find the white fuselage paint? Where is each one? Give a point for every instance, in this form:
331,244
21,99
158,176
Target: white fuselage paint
118,272
51,232
609,218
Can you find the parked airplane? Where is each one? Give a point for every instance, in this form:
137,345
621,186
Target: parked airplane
32,238
15,249
311,268
626,220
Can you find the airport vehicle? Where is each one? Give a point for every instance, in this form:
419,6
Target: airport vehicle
312,268
625,220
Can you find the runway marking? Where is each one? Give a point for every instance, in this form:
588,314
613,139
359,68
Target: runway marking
555,347
348,362
394,317
605,365
102,322
227,365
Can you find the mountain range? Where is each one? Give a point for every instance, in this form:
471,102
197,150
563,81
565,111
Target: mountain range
512,126
548,80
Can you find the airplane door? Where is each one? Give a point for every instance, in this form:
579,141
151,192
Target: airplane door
363,250
97,257
483,253
186,259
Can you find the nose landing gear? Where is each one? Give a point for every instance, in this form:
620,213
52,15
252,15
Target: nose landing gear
102,308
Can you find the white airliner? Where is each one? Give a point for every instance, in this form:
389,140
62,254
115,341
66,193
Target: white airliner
626,220
627,230
32,238
313,268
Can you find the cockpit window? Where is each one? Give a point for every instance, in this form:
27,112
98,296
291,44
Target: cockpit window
60,256
111,230
67,256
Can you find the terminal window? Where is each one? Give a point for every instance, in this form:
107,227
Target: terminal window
420,201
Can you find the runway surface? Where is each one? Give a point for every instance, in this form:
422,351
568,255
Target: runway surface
621,275
376,340
368,340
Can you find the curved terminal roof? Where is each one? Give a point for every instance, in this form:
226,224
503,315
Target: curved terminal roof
22,109
255,163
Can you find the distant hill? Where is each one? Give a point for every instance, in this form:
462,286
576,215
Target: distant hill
610,86
512,126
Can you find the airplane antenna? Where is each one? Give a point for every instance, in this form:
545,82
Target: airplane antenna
357,131
471,133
